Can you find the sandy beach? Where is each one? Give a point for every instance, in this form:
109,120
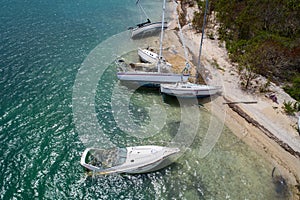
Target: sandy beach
262,125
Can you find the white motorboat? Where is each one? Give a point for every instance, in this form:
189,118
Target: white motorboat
151,57
188,90
137,159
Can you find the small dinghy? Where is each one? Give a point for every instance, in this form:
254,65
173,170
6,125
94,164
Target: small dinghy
137,159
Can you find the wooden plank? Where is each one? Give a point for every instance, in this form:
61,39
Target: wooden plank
237,102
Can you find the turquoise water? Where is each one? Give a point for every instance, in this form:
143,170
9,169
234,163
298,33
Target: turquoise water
43,47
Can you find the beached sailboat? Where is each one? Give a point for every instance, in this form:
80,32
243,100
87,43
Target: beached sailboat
149,56
153,78
136,159
186,89
146,28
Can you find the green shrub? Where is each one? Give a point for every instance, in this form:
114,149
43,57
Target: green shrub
265,87
247,75
294,88
197,22
296,106
265,37
289,107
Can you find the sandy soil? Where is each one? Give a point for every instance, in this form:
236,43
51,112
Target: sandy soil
220,71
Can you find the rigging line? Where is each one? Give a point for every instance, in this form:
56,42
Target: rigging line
161,36
140,6
201,42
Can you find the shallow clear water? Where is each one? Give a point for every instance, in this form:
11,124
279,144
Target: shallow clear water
45,49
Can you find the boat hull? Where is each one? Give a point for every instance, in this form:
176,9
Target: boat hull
149,29
200,92
151,57
144,169
147,56
139,159
150,78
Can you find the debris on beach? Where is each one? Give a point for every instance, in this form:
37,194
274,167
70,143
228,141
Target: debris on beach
281,186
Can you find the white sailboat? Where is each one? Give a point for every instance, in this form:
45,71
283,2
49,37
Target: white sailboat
185,89
136,159
146,28
153,78
149,56
150,78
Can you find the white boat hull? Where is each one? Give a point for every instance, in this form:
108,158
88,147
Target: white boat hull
144,78
189,90
139,159
147,56
147,30
151,57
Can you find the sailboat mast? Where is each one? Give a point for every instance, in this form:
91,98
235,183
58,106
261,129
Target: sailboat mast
140,6
181,36
201,42
161,35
